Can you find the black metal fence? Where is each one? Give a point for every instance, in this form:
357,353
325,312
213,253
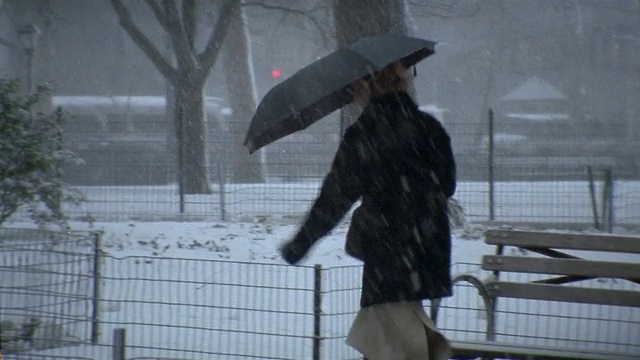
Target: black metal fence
516,170
48,287
172,308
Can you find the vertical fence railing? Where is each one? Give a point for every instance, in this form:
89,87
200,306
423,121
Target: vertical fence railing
182,138
97,286
607,200
317,310
491,168
221,170
119,344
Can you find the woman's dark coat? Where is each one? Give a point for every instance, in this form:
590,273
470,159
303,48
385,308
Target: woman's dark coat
398,160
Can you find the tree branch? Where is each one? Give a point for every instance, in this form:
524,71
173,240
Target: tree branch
326,40
159,14
183,52
143,42
287,10
189,21
208,57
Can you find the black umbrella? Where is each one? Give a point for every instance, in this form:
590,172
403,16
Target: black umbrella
323,86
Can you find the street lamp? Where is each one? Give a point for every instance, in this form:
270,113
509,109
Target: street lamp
29,38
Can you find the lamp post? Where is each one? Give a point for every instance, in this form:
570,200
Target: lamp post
29,37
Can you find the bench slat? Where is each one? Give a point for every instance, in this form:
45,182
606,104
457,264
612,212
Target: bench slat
564,293
592,242
518,351
571,267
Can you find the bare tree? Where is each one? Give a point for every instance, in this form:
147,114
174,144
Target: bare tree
242,97
178,20
355,20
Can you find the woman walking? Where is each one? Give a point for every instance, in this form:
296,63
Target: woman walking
398,160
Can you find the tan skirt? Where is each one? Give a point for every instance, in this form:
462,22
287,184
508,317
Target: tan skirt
397,331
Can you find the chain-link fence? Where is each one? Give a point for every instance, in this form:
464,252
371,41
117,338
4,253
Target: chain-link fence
172,308
517,168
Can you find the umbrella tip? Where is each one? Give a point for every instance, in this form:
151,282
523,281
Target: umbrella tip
249,145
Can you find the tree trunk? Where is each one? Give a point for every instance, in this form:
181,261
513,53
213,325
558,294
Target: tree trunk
191,130
355,20
238,70
45,53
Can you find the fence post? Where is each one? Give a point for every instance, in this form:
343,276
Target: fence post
317,310
221,183
592,193
119,344
97,286
607,200
181,162
612,217
491,164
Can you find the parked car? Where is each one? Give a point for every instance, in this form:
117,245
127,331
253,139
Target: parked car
124,140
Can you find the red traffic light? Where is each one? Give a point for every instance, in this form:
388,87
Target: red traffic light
275,73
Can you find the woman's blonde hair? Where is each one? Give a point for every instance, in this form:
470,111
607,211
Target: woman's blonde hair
391,78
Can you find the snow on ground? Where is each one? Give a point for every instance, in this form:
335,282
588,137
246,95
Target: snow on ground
241,241
184,312
163,317
542,202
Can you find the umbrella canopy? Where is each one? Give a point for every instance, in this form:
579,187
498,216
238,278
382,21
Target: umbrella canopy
323,86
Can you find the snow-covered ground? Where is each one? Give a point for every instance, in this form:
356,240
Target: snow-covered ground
540,201
212,289
170,284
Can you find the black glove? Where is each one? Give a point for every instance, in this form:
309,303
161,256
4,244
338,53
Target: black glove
293,251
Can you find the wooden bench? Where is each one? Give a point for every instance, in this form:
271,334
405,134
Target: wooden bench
558,280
